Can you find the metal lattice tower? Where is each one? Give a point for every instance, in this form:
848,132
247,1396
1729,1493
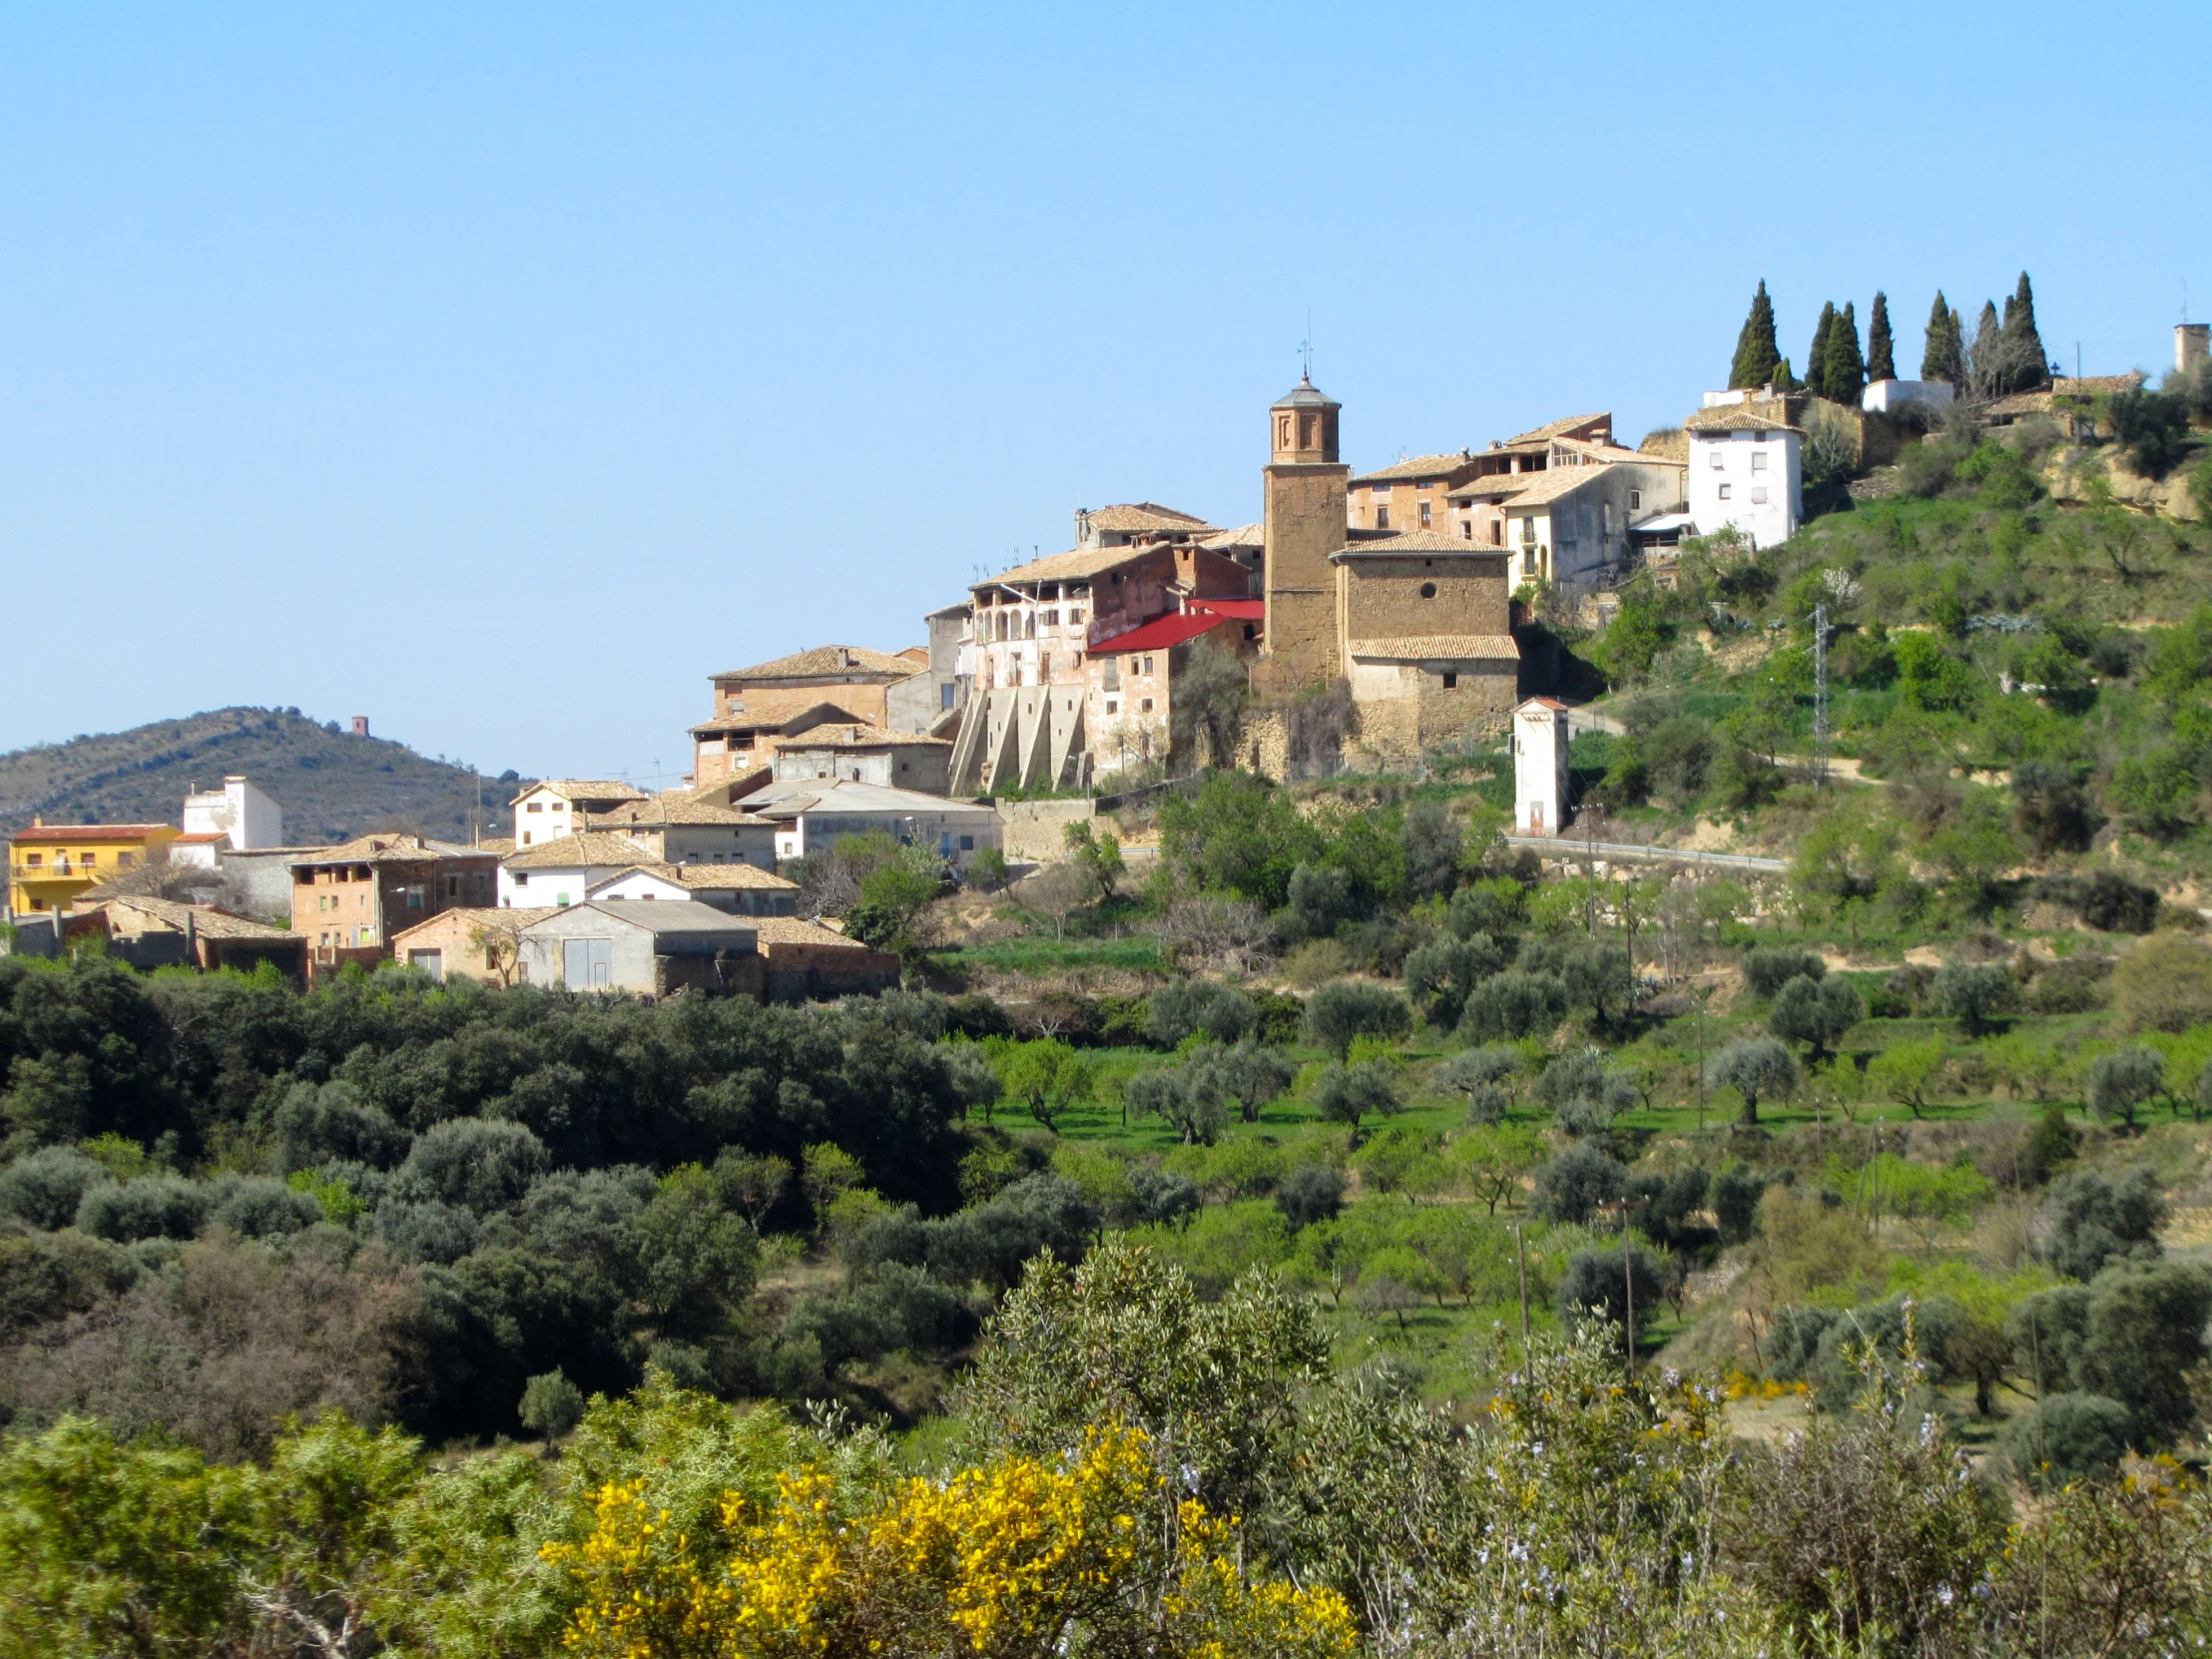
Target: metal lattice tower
1819,696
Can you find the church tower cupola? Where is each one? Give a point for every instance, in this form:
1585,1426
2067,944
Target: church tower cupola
1304,426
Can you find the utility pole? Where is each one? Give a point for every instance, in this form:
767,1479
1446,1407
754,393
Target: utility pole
1820,694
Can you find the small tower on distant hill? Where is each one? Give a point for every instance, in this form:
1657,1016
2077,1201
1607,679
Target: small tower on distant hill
1540,739
1307,488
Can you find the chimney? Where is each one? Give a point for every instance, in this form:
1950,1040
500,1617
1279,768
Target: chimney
360,726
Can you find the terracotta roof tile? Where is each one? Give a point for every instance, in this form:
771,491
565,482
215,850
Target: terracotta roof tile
660,814
388,850
586,789
499,922
1413,541
1558,429
1244,535
1734,417
1419,466
847,663
590,849
1440,648
1127,518
89,831
206,919
1069,567
859,735
775,931
710,878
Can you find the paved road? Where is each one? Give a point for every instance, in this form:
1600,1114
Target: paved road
1571,846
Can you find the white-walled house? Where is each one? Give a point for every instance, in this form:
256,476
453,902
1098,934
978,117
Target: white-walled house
1540,738
562,872
1745,473
737,889
237,817
1889,396
811,816
562,805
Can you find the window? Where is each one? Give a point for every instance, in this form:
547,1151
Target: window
1053,619
1719,461
525,838
1148,664
1428,589
522,878
1145,707
1529,532
36,859
535,807
945,695
1758,495
1382,518
967,843
1283,433
452,886
1635,501
1075,617
125,861
1451,682
1467,529
1381,492
88,860
1758,460
1425,515
1497,532
1725,489
1112,707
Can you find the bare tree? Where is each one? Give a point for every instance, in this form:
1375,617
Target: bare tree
1057,891
1211,695
1229,933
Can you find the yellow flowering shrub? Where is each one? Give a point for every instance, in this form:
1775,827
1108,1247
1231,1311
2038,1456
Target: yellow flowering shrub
1014,1557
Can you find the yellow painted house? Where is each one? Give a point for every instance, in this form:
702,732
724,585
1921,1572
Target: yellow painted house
49,865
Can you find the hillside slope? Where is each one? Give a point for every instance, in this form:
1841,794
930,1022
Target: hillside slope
329,784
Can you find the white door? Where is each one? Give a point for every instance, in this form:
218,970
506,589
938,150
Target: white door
587,964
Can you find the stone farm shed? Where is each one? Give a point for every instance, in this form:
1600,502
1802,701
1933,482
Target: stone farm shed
647,947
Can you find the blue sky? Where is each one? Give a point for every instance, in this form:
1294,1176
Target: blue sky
500,373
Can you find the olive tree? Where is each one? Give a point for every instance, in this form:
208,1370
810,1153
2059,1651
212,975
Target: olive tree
1757,1068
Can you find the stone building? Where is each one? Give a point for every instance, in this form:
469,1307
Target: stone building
866,755
1035,696
350,899
1424,625
756,708
1307,498
1412,494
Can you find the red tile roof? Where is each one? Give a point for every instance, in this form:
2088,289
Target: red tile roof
88,832
1161,633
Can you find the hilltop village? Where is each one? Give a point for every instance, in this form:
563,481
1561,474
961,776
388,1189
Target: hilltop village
1363,623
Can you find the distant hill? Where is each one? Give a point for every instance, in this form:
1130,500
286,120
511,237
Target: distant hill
331,784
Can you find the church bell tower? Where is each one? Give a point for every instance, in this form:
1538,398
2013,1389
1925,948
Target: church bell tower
1305,515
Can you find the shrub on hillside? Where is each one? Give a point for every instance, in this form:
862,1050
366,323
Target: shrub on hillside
1572,1186
2119,1082
43,1189
1513,1004
152,1207
1598,1284
2065,1437
1309,1194
1349,1008
1184,1006
2095,1217
1767,969
2163,983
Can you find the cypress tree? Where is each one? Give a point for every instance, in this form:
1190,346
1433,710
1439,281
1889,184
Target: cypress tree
2026,363
1986,365
1816,360
1756,350
1784,381
1882,362
1844,376
1940,356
